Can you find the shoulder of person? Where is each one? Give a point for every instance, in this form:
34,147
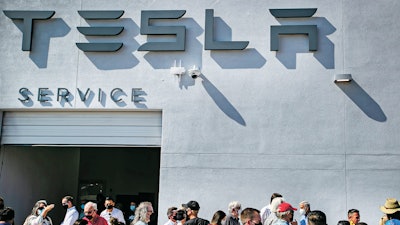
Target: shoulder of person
201,221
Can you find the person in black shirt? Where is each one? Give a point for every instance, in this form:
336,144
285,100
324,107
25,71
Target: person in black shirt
192,209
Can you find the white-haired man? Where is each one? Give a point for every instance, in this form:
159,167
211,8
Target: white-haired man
91,215
284,213
234,211
304,210
143,213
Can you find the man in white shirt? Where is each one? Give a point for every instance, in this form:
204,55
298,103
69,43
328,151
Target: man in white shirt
72,214
171,212
266,211
112,212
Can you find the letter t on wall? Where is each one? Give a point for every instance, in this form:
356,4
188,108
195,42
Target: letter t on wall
28,17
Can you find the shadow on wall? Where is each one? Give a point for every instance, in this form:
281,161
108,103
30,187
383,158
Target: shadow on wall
294,44
190,57
361,98
221,101
43,31
234,59
123,58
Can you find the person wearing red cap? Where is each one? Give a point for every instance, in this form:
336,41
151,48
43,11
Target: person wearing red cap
284,213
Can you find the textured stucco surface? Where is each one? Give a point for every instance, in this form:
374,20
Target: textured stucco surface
256,121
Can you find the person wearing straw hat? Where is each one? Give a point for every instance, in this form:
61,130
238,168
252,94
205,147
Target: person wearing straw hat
392,211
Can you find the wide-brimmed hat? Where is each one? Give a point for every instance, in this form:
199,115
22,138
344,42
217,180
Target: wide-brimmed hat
391,206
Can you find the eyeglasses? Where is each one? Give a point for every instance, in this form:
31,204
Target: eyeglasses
88,213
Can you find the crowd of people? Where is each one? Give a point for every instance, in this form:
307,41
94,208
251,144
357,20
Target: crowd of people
277,212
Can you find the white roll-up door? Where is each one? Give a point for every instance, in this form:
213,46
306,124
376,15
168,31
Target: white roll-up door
137,128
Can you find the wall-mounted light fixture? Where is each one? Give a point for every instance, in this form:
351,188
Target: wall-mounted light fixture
177,70
339,78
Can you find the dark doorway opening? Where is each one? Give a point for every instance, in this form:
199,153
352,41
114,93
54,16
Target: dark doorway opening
125,174
29,174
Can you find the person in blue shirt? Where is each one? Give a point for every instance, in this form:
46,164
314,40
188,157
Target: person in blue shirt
304,210
392,211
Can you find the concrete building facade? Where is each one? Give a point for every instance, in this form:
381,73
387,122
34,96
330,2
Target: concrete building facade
262,115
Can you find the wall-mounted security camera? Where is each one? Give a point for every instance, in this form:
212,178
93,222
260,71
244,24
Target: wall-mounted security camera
194,72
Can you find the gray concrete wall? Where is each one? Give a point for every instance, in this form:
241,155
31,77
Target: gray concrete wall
257,121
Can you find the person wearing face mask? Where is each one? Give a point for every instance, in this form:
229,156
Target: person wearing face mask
192,210
112,212
71,214
304,210
266,210
91,216
234,212
39,213
82,208
131,214
284,213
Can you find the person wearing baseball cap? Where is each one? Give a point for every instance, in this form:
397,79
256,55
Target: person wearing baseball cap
284,213
192,209
392,211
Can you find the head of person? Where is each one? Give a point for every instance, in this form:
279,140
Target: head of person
90,210
114,221
343,222
218,217
109,203
285,211
353,216
192,209
391,209
67,202
143,212
180,215
304,208
275,203
234,208
1,203
171,212
7,215
132,206
38,207
275,195
316,217
250,216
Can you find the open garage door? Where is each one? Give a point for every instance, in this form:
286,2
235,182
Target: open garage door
137,128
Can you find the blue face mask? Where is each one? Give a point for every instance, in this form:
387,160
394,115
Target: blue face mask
39,212
133,208
83,206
